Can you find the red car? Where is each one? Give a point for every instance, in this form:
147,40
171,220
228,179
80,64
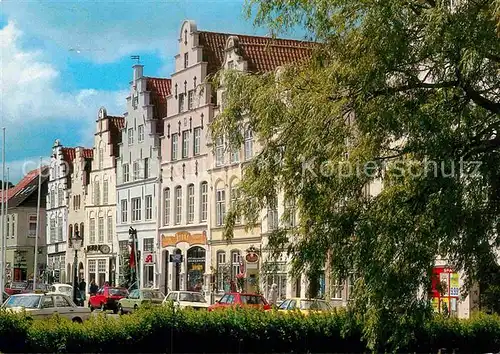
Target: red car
15,288
107,298
241,300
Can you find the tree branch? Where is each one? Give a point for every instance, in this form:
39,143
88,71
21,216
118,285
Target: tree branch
480,100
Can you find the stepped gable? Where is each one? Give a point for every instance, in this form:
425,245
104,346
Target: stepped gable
263,54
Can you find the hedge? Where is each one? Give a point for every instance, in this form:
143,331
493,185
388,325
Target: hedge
162,330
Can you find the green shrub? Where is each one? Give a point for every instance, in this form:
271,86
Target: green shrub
163,330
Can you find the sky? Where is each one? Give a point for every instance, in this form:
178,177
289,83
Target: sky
61,60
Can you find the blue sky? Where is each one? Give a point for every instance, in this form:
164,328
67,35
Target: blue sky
49,91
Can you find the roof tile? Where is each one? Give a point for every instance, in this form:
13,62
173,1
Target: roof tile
160,89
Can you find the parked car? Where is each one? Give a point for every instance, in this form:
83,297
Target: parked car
45,305
107,298
241,300
5,296
187,299
15,287
40,288
137,298
304,305
67,290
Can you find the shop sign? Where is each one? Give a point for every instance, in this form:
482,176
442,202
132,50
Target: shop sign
148,258
184,236
196,260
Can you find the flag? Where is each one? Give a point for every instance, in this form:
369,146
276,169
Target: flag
132,256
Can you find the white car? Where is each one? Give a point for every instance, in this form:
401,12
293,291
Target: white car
64,289
45,305
187,299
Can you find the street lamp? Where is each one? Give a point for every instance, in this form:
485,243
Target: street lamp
77,244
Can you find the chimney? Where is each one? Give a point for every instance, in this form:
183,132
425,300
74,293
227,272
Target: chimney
137,71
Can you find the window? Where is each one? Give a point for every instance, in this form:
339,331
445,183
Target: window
52,230
146,168
105,192
32,226
124,207
235,156
204,201
100,230
140,130
92,231
235,263
181,102
196,141
222,272
149,207
235,195
220,207
136,209
92,270
123,246
60,196
178,205
185,144
190,99
186,60
130,136
52,199
60,228
148,244
101,158
175,146
336,288
136,171
126,173
248,144
219,152
101,269
272,215
190,208
110,228
290,212
166,206
97,193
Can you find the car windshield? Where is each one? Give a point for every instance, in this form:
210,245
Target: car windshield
148,294
313,305
117,292
252,300
26,301
192,297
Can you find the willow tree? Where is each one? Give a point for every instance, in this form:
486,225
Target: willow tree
405,92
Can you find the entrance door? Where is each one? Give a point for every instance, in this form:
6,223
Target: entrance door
177,272
166,263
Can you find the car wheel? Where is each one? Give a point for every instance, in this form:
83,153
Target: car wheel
77,320
136,307
91,307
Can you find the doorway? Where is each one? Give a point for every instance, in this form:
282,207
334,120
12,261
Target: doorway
166,262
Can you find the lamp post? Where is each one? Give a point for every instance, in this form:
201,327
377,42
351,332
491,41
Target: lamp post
77,243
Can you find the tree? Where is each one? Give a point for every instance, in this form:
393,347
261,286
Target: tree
406,92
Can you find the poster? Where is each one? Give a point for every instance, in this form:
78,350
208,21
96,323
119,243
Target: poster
444,279
454,284
444,305
435,304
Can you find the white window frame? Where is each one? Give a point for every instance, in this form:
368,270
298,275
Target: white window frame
197,141
185,144
204,201
130,133
178,205
124,211
101,158
166,206
190,99
136,171
110,228
219,152
248,144
181,102
100,230
92,231
148,201
105,192
190,203
126,172
140,132
175,147
136,209
220,206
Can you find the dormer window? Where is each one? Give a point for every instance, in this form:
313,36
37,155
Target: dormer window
186,60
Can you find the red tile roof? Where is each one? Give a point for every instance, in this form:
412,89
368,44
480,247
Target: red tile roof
20,192
88,153
263,54
69,154
160,89
117,122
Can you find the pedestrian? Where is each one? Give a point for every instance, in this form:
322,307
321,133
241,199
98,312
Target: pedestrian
232,286
93,288
273,294
83,289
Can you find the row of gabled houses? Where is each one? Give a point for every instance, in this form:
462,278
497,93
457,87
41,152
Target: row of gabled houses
156,169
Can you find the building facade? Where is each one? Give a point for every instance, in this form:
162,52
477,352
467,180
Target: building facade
22,227
101,244
184,205
58,189
138,171
77,198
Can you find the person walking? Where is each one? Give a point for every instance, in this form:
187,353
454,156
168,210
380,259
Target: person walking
273,295
83,289
93,287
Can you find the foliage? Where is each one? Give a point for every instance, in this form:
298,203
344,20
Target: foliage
163,330
404,90
128,273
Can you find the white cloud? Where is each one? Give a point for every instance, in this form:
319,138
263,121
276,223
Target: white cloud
29,87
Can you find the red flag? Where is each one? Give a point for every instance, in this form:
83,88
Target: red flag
132,256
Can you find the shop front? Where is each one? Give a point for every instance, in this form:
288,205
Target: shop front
184,257
100,265
445,291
